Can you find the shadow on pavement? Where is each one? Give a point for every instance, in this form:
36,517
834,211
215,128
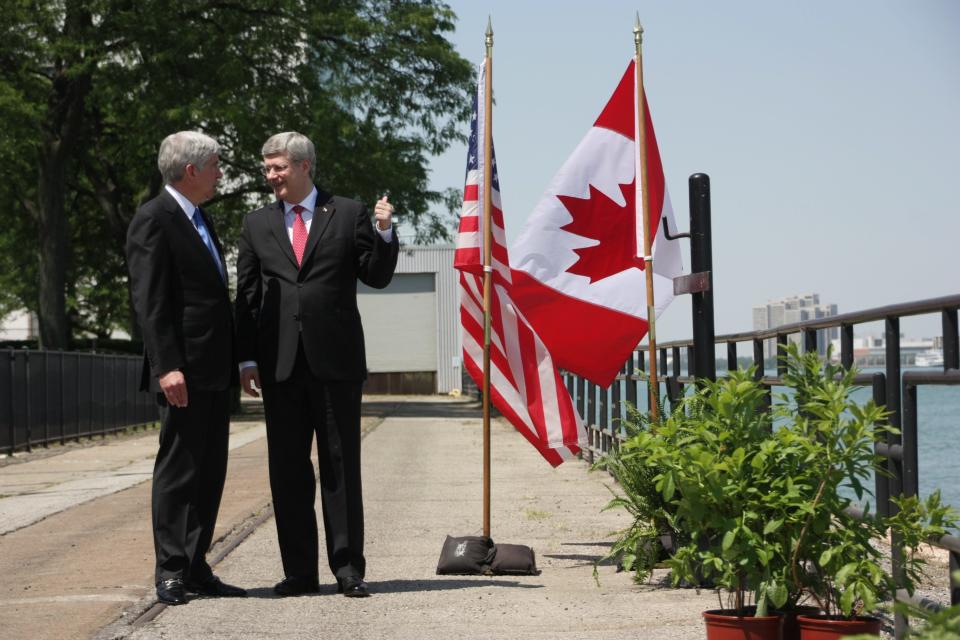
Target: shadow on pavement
584,558
401,586
422,409
444,584
252,411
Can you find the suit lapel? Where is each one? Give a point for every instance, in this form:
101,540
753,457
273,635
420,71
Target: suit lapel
279,230
184,226
186,229
323,213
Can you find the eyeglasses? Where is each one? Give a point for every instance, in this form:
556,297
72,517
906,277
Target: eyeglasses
274,168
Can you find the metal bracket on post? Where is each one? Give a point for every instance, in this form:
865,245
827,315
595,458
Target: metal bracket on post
692,283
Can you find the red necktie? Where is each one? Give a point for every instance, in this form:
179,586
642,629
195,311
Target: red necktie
299,234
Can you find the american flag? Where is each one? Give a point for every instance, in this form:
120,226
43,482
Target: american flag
525,386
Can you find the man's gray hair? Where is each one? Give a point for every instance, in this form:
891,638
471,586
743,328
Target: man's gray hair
182,148
296,145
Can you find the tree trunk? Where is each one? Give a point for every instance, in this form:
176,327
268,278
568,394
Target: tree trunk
70,84
52,228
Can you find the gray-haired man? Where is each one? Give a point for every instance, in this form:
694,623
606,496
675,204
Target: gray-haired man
178,285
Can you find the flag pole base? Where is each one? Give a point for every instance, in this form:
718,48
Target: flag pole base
479,556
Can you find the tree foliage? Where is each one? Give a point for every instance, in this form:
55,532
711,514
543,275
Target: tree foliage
89,88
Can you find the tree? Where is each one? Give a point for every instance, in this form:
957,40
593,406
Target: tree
89,88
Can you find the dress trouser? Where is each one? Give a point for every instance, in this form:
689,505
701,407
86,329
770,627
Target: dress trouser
188,478
297,409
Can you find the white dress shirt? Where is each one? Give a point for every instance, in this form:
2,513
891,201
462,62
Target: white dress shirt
184,203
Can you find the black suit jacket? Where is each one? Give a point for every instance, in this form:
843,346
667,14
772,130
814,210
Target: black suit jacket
279,304
182,303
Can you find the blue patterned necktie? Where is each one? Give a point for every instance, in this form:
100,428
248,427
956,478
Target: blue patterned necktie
207,240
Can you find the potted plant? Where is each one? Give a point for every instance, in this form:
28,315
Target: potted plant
835,559
761,495
719,465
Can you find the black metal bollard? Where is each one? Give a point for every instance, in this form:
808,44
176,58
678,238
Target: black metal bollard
701,261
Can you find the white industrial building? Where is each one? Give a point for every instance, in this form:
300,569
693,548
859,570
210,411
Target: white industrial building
412,328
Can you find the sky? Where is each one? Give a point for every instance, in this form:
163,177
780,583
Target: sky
830,131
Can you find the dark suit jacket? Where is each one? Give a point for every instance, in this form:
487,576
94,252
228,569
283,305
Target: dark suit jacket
279,304
182,304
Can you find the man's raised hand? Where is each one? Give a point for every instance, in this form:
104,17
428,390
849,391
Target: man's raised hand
383,212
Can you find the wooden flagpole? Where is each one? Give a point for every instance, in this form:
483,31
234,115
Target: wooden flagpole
487,269
647,236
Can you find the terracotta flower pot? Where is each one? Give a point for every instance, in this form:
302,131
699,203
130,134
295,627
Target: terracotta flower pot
791,629
726,625
832,627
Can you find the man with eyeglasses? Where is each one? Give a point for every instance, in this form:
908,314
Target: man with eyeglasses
178,286
299,334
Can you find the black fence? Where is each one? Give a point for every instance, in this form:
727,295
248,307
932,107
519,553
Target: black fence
56,396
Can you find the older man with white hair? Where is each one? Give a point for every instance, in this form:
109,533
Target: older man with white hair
178,286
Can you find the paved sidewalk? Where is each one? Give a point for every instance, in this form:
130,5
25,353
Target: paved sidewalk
76,549
37,488
422,480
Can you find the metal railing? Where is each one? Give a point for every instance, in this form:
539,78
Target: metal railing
602,409
55,396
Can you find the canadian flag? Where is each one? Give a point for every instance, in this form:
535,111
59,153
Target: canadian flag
578,266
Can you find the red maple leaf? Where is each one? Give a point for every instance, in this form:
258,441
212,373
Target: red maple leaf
615,228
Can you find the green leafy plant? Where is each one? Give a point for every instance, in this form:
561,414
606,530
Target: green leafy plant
835,559
721,467
639,546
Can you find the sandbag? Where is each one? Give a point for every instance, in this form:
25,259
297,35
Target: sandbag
514,559
466,555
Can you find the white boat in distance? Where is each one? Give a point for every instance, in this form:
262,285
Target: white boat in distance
929,358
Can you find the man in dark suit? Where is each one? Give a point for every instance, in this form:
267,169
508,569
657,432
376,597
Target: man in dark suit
178,287
299,333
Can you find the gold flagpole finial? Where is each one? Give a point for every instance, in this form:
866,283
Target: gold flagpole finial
489,35
638,32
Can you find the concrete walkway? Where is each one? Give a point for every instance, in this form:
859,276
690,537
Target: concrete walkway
422,480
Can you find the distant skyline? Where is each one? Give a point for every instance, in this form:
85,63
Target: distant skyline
829,130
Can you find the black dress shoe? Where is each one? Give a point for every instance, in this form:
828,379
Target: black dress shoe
296,586
353,587
171,591
215,587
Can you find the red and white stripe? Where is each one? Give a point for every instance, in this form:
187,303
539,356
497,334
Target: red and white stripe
525,385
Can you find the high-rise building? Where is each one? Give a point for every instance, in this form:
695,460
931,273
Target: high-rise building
776,313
